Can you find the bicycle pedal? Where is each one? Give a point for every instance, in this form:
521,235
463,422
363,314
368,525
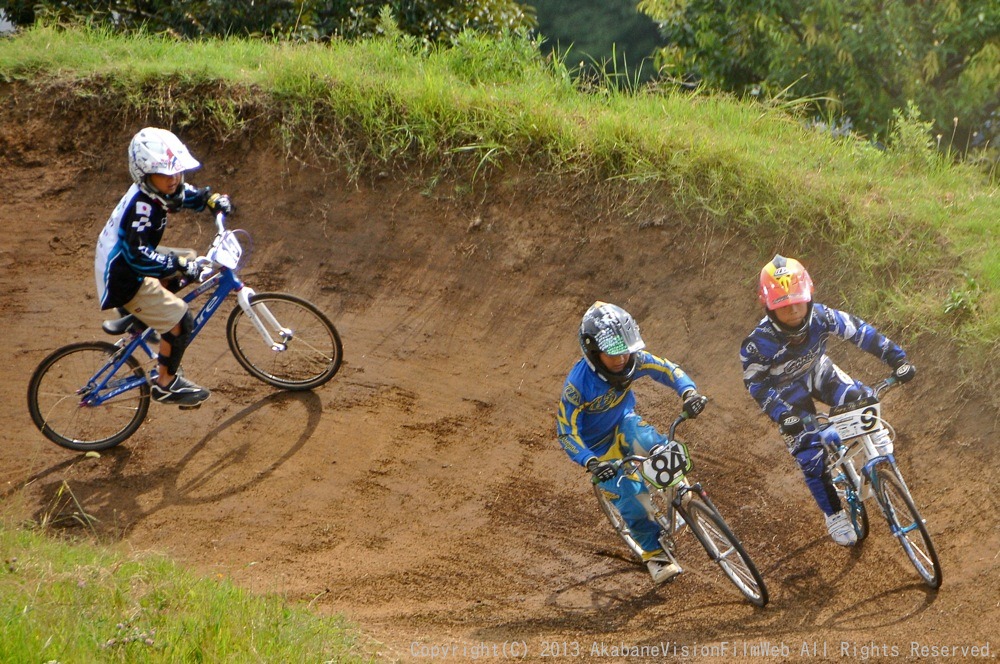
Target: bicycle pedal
195,406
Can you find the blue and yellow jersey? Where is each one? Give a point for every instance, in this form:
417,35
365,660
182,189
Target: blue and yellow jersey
591,409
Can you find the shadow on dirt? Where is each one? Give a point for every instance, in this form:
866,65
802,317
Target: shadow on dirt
234,457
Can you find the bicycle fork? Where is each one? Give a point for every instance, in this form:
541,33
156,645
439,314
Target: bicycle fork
243,298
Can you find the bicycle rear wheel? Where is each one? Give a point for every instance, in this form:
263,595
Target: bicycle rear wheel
61,398
617,521
907,526
724,549
311,350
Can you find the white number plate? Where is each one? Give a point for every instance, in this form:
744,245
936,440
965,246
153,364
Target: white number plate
226,250
858,422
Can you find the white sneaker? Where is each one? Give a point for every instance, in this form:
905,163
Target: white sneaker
662,569
841,529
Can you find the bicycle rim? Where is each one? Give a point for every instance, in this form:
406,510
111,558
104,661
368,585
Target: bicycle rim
617,521
61,410
908,528
312,355
725,550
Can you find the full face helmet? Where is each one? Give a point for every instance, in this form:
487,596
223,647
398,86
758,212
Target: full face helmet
783,282
607,328
155,150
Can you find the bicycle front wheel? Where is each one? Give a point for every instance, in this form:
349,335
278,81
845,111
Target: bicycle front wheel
306,353
908,527
724,549
66,407
617,521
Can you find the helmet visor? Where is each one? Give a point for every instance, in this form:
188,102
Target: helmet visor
618,339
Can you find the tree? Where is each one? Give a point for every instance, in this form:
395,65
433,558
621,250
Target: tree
439,20
870,56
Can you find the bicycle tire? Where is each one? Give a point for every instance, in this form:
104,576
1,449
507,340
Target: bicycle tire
312,355
57,409
896,502
720,543
617,521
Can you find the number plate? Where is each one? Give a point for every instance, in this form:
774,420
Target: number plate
226,250
864,417
667,466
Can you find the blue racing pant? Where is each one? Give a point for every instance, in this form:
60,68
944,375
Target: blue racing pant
633,435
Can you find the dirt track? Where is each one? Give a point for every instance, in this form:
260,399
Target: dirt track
422,492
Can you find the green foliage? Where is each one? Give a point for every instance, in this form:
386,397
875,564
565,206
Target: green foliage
963,302
911,139
432,20
600,37
870,57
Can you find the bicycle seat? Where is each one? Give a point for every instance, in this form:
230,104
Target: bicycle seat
117,326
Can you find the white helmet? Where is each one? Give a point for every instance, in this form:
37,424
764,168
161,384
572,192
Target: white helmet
155,150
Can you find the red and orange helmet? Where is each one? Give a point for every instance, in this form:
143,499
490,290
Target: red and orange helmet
783,282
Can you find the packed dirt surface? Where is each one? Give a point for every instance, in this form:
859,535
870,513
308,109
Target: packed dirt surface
422,492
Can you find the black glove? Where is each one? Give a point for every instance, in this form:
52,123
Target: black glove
905,372
602,470
220,203
189,268
197,199
694,403
790,424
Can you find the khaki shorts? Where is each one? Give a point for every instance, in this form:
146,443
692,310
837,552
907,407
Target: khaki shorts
157,307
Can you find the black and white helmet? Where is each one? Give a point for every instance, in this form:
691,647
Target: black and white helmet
155,150
607,328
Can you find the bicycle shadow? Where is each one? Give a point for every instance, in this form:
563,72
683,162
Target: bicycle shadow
117,499
804,599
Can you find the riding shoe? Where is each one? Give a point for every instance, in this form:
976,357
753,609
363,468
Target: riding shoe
180,392
662,569
841,529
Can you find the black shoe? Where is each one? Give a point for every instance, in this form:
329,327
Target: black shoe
180,392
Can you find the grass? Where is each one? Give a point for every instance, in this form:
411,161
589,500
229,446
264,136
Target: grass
62,602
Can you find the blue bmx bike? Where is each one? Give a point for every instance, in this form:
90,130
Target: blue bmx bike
863,467
93,395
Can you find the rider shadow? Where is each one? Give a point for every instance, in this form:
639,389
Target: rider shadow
804,599
810,593
118,501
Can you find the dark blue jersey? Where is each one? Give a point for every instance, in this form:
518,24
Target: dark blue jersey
126,248
777,373
591,409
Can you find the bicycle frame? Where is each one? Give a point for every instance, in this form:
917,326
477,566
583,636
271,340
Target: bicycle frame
97,391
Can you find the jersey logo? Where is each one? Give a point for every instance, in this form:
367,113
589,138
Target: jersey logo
141,224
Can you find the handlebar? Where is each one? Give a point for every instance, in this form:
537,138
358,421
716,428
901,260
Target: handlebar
633,461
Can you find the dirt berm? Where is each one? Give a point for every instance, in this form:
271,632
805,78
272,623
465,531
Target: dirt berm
422,492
